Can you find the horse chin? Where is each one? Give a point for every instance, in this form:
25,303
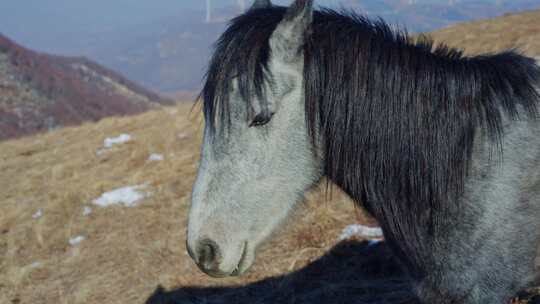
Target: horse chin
245,262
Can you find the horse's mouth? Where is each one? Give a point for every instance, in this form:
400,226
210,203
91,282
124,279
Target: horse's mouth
241,267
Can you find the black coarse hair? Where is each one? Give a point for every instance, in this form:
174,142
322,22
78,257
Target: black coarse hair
398,115
242,53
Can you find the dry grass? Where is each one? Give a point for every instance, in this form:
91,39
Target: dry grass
521,31
137,255
128,252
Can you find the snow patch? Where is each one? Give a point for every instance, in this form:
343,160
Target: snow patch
87,211
38,214
76,240
101,152
111,141
156,157
127,196
374,242
360,231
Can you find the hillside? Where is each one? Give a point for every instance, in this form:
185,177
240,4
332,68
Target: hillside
41,92
58,246
48,182
520,31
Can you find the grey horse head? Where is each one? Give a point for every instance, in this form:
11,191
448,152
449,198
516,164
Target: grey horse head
253,170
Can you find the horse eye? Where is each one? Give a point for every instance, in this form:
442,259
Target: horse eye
261,120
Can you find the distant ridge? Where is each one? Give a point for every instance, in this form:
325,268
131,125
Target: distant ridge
519,31
39,92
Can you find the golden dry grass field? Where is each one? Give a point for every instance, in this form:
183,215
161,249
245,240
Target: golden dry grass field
138,255
127,252
520,31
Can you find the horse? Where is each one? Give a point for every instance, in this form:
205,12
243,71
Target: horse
442,148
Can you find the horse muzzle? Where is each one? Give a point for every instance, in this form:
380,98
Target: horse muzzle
220,261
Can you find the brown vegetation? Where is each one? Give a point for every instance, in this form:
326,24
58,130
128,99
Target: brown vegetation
512,31
137,255
39,92
129,252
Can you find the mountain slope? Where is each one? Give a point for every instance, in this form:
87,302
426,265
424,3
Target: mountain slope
520,31
138,254
41,92
49,180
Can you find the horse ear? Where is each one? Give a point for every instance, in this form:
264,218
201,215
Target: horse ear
261,4
289,37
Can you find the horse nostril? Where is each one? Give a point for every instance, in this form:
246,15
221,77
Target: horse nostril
208,254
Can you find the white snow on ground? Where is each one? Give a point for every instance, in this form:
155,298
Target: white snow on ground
76,240
38,214
127,196
156,157
101,152
360,231
111,141
87,211
35,265
374,242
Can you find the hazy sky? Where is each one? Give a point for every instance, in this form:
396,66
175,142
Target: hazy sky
31,22
20,16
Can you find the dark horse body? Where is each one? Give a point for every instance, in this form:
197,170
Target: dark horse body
443,149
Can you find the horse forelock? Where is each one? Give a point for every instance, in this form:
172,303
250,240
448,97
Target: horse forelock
242,53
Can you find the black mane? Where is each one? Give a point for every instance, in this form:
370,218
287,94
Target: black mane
399,116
